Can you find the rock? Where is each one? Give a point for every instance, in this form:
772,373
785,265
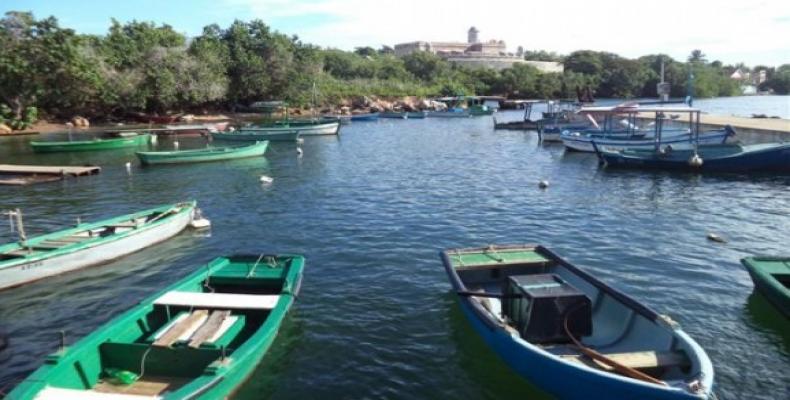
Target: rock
345,110
80,122
187,118
5,129
361,102
296,111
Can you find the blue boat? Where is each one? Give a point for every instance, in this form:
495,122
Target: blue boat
571,334
620,131
365,117
698,156
765,157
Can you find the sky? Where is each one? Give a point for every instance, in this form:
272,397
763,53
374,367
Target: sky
753,32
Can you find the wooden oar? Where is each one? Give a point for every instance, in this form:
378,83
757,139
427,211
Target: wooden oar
596,356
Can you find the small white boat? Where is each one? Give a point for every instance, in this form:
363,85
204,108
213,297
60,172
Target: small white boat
89,244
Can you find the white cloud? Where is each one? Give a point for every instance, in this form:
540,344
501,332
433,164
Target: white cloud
723,31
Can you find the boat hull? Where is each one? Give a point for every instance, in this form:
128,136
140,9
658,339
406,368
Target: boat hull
518,125
194,156
754,158
394,115
91,145
540,369
251,135
763,271
585,143
365,117
449,114
102,252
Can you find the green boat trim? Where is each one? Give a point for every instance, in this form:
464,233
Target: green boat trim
256,149
200,338
771,277
91,145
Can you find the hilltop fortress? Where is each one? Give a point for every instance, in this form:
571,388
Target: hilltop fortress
474,53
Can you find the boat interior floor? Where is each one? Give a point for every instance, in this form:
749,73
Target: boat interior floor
145,386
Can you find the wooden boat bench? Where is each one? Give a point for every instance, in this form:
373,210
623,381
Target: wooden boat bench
199,329
638,360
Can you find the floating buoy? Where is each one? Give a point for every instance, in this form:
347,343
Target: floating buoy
695,161
154,139
299,151
266,179
300,140
175,145
543,184
128,166
716,238
199,221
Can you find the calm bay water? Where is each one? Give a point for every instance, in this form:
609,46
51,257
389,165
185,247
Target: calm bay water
371,208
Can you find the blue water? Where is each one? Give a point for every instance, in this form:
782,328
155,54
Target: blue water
371,208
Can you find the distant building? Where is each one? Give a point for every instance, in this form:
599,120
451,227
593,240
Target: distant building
749,83
474,53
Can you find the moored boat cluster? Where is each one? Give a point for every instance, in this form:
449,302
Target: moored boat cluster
551,321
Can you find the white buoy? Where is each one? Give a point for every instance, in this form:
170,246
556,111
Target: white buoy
266,179
129,166
154,139
299,151
200,223
716,238
695,161
175,145
543,184
300,140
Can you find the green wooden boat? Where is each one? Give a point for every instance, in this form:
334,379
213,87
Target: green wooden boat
91,145
198,339
771,277
256,149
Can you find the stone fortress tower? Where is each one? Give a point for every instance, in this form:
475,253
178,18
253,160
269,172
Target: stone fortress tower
472,36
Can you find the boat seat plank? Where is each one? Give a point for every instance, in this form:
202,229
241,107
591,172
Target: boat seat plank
210,328
55,393
183,329
129,224
638,360
218,300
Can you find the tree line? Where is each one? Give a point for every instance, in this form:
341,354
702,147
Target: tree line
145,67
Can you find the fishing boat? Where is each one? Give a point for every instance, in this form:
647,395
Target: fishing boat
256,149
285,130
88,244
124,141
416,114
764,157
450,113
771,277
258,135
696,154
609,135
526,123
571,334
200,338
394,114
365,117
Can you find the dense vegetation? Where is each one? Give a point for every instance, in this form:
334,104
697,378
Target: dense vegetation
139,66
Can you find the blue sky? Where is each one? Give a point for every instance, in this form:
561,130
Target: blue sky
752,32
